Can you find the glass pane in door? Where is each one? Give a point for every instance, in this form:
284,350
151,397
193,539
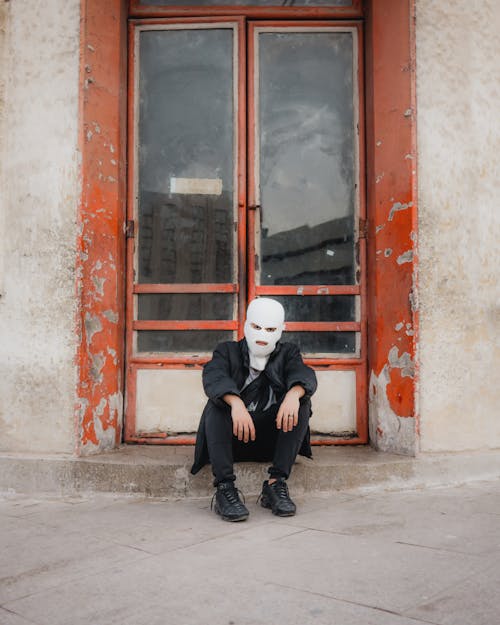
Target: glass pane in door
306,133
186,156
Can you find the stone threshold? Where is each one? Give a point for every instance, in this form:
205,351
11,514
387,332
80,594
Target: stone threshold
163,471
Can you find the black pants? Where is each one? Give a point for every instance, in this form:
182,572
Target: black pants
270,443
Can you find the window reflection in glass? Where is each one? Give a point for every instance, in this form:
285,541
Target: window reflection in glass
186,142
307,157
323,342
185,341
180,306
319,308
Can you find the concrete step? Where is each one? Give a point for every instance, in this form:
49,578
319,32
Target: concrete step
164,471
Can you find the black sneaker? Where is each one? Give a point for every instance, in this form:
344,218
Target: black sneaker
276,497
228,503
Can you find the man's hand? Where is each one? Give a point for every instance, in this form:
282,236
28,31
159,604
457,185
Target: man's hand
288,413
243,427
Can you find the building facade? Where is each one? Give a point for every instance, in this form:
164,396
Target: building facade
162,165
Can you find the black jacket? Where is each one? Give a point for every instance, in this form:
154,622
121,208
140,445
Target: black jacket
227,372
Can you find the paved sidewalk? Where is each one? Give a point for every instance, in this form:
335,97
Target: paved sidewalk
347,558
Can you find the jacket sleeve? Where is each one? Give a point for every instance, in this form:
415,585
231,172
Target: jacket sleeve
296,372
217,380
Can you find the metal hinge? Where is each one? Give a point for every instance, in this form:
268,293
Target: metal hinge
130,229
363,228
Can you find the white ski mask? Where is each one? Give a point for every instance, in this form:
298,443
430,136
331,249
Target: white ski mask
264,325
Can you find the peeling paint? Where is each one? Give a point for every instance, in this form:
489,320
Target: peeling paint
389,432
413,299
399,326
111,315
105,435
82,405
101,211
92,326
98,362
112,352
398,206
99,284
387,252
403,362
406,257
99,411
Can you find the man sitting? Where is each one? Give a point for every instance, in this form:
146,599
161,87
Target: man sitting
259,408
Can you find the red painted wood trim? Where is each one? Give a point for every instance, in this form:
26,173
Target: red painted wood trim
242,175
355,10
199,324
335,363
161,438
308,290
130,403
185,288
101,216
251,170
322,326
169,362
205,18
391,187
161,361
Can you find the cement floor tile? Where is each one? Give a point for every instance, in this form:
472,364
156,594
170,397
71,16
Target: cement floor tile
153,526
185,592
11,618
447,519
35,558
386,575
476,601
18,505
157,539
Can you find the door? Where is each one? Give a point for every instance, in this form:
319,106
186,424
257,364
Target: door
245,179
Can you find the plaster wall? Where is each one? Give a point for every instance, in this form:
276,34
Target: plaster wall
458,90
39,65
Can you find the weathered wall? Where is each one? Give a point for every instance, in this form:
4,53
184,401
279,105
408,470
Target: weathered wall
458,91
38,206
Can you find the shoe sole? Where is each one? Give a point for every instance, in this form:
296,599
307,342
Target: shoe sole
265,504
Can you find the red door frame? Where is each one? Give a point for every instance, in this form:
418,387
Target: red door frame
392,214
137,362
